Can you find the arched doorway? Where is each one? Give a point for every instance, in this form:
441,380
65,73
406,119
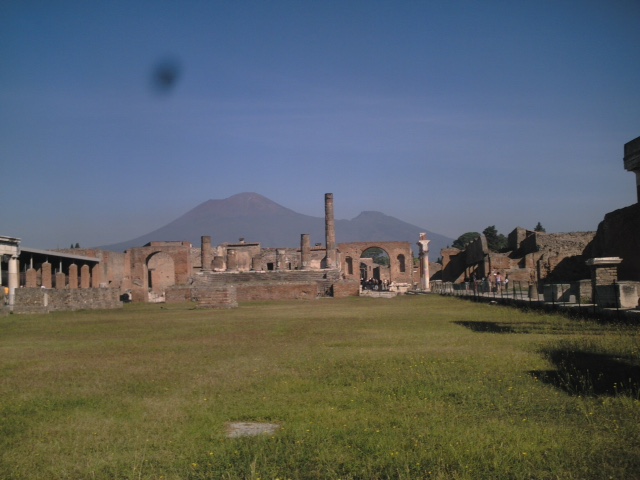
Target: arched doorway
374,266
161,272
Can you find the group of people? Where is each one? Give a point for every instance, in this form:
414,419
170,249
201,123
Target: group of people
375,284
494,282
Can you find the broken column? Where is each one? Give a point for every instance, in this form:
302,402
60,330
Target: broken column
14,278
206,254
305,251
61,279
31,278
218,263
46,275
280,258
73,276
85,276
423,249
330,232
232,260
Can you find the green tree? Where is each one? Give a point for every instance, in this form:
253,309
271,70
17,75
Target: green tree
378,256
465,239
539,228
495,241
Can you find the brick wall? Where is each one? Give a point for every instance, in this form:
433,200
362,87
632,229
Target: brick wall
346,288
274,291
220,297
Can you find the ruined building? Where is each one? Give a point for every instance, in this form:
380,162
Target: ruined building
608,260
208,275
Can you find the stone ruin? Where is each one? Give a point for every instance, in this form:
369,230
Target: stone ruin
222,275
208,275
600,264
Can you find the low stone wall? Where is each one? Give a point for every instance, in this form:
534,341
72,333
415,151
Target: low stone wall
178,294
346,288
274,291
221,297
43,300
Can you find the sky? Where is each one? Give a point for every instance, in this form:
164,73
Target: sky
450,115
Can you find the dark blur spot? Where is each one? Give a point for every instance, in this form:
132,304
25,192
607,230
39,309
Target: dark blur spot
165,75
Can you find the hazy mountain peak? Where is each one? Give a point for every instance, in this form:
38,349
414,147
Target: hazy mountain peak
254,217
246,204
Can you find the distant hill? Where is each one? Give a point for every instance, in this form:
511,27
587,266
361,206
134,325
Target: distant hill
258,219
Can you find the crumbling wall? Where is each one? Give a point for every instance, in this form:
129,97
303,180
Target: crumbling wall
41,300
618,235
539,256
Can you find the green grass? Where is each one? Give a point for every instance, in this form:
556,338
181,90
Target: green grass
413,387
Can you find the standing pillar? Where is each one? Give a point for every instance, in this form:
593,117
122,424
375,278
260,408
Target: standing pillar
280,258
305,251
46,275
32,278
73,276
85,276
423,248
232,260
14,279
330,231
206,253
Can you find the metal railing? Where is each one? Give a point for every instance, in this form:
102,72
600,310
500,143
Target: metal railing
556,294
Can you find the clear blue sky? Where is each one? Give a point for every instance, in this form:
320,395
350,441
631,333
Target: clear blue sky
451,115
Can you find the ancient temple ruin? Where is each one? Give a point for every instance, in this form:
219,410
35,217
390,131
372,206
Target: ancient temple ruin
208,275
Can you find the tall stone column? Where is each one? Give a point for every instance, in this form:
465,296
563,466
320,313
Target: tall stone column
305,251
46,275
85,276
280,258
206,254
330,231
14,279
423,251
73,276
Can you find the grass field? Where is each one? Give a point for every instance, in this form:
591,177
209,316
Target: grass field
413,387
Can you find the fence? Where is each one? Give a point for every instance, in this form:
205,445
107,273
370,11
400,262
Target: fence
568,296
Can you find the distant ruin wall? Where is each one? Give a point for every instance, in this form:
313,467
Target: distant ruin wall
41,300
476,250
618,235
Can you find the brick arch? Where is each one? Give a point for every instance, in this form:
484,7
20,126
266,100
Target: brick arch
161,272
139,258
393,249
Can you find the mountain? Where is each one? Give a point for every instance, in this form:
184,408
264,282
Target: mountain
258,219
